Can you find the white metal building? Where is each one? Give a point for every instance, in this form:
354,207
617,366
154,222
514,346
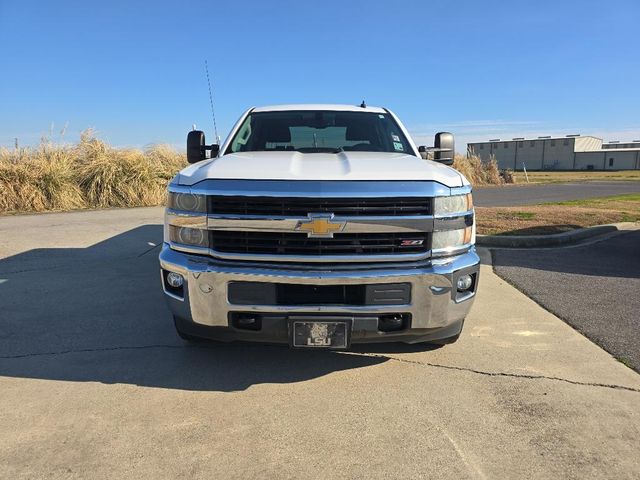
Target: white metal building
573,152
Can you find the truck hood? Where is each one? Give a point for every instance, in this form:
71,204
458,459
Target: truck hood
283,165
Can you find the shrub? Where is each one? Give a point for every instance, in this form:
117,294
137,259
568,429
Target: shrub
90,174
479,172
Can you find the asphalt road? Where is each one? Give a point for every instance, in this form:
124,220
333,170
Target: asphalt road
595,288
94,383
512,195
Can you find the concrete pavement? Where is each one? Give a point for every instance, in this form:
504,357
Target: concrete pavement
524,194
94,382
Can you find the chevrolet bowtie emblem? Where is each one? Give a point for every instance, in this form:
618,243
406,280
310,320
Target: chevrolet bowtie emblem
320,225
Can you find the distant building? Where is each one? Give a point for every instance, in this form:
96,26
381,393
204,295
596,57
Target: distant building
573,152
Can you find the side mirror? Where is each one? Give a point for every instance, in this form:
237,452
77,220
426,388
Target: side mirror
443,149
196,147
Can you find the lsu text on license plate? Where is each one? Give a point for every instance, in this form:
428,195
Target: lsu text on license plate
312,334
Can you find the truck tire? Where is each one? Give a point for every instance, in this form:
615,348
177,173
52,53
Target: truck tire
184,335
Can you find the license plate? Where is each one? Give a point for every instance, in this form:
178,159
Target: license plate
312,334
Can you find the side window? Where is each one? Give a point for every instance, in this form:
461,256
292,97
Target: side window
242,137
611,162
482,146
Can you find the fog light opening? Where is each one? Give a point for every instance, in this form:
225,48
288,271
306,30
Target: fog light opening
464,283
175,280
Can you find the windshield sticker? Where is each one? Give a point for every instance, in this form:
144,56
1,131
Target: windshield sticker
396,138
398,146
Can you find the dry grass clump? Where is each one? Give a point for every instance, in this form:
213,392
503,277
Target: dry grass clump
481,173
90,174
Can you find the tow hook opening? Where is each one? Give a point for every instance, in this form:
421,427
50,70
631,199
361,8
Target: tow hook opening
392,322
246,321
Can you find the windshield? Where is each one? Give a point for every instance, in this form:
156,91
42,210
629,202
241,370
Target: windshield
316,131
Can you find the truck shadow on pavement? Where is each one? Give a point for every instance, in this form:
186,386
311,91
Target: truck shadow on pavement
97,314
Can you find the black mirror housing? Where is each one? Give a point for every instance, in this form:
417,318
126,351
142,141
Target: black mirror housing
196,147
444,148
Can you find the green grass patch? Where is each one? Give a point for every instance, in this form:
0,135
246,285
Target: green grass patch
625,361
517,215
599,201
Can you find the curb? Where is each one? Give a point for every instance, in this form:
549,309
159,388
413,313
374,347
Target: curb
556,239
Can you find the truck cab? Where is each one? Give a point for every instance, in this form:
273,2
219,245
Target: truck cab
319,226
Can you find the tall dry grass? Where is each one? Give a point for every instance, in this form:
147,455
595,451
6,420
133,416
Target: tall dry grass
90,174
482,173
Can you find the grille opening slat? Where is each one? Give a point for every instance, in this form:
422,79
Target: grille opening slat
295,206
296,243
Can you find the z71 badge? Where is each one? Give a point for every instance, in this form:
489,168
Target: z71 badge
411,243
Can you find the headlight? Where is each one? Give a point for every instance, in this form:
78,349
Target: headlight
451,238
189,236
452,204
187,202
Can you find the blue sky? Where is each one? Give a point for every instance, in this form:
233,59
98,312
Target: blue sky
482,69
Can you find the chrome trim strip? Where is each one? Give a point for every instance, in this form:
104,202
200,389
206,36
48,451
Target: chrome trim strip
461,190
453,222
451,251
454,214
377,224
185,219
317,188
357,224
257,257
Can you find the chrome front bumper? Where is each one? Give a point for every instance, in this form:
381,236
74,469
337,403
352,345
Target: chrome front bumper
436,308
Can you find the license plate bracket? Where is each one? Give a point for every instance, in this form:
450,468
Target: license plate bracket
320,332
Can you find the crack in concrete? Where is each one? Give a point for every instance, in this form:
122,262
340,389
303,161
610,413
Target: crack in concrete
500,374
373,355
89,350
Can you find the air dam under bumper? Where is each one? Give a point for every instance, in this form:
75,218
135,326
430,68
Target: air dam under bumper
436,310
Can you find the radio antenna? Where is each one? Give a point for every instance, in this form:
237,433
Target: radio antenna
213,113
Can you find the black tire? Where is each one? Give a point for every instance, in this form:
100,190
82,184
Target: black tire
184,335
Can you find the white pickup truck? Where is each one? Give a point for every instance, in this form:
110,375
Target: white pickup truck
319,226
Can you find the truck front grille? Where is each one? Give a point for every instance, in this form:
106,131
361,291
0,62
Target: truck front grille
299,244
296,206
